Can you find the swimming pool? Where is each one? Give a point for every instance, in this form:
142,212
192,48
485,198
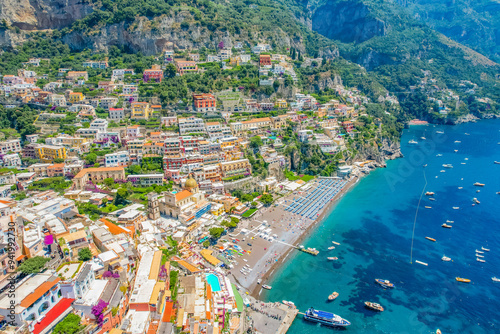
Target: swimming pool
213,281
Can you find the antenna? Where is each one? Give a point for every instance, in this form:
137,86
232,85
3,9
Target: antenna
415,220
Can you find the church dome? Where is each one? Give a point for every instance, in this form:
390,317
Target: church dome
191,183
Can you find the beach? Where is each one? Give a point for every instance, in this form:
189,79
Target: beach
291,229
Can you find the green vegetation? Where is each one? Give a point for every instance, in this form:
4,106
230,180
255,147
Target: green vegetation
54,183
33,265
84,254
249,213
69,325
216,232
267,199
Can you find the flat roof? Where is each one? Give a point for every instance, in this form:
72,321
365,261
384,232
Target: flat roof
94,293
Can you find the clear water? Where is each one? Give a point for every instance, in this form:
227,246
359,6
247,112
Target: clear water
374,224
214,282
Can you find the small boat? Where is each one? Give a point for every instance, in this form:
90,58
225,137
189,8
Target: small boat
428,207
477,184
385,283
431,239
259,281
413,142
429,193
333,296
457,141
456,207
446,226
448,166
289,303
442,171
432,199
479,255
450,221
425,165
336,243
422,263
485,249
267,287
480,260
438,331
467,134
478,191
439,155
497,162
423,138
494,279
480,252
456,151
466,159
441,132
460,187
374,306
463,163
463,280
475,200
331,247
446,259
332,258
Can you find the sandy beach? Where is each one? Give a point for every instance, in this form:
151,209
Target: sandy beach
288,228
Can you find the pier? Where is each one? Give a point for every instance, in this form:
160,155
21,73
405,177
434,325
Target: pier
287,321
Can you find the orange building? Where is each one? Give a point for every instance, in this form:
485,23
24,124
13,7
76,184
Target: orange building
204,102
265,60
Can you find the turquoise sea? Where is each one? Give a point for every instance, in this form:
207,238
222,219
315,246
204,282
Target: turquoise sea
374,223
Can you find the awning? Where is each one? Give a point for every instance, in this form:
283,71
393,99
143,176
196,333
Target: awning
20,257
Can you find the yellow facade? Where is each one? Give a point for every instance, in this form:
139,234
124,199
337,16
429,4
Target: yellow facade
140,110
47,153
280,104
75,97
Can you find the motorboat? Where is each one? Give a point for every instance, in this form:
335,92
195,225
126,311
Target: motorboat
477,184
475,200
455,151
480,252
289,303
267,287
442,171
423,138
494,279
448,166
446,259
446,226
480,260
331,247
428,207
467,134
374,306
463,280
332,258
413,142
485,249
457,142
479,255
335,243
456,207
325,318
460,187
429,193
431,239
432,199
440,132
450,221
333,296
497,162
385,283
439,155
422,263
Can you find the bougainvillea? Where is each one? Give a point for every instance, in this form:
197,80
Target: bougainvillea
97,311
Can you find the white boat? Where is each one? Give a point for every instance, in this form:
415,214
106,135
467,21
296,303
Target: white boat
289,303
456,151
467,134
447,165
442,171
332,258
460,187
429,193
475,200
480,260
446,259
485,249
480,252
331,247
267,287
413,142
463,163
422,263
466,159
479,255
336,243
432,199
423,138
441,132
494,279
439,155
450,221
457,141
428,207
456,208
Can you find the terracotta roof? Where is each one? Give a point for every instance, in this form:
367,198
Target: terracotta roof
182,195
53,314
74,236
33,297
169,312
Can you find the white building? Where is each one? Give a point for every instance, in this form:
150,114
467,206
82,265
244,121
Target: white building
191,125
117,159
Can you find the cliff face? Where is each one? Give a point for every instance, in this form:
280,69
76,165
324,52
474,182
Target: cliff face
347,21
43,14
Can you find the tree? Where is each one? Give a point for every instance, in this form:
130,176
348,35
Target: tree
58,160
170,71
206,243
121,196
108,182
33,265
69,325
216,232
84,254
256,142
91,158
266,199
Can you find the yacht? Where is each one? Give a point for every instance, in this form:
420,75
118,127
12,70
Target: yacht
325,318
385,283
440,132
374,306
463,280
423,138
332,258
485,249
267,287
446,226
475,200
432,199
331,247
428,207
497,162
429,193
477,184
460,187
456,151
480,252
480,260
456,208
450,221
494,279
457,141
431,239
448,166
467,134
479,255
446,259
289,303
413,142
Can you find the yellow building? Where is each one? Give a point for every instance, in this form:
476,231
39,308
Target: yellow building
227,142
140,110
280,104
75,97
48,153
234,61
236,167
217,209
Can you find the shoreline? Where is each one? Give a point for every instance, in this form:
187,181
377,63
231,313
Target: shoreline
254,292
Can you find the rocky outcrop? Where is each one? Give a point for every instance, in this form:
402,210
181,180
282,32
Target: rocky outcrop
43,14
347,21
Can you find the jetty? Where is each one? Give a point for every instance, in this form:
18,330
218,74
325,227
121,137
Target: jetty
287,321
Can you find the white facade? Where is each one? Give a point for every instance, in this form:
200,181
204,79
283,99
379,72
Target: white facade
117,159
